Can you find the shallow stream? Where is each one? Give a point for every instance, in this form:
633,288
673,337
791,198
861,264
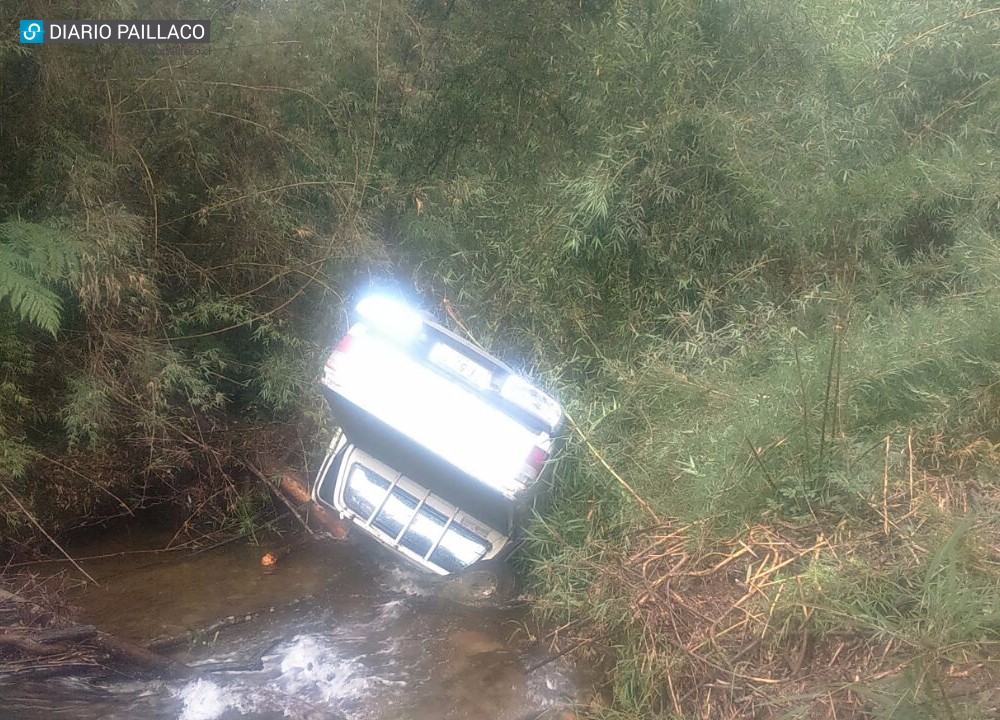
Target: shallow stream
335,630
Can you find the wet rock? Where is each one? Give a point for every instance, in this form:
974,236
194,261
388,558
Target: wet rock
474,642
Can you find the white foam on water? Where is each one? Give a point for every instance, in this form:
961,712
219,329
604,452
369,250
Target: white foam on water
384,617
204,700
551,683
407,581
314,670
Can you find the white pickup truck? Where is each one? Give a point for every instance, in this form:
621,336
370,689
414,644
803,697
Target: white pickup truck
440,447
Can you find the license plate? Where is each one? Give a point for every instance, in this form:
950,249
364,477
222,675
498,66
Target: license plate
450,359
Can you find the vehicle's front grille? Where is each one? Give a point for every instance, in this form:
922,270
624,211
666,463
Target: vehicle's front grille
396,512
408,521
424,531
458,548
365,491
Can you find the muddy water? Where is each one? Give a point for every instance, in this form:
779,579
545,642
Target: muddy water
334,630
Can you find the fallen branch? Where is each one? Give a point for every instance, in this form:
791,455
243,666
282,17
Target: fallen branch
188,636
27,645
136,654
292,488
276,490
74,633
54,642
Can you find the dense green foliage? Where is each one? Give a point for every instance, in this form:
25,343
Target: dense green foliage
745,242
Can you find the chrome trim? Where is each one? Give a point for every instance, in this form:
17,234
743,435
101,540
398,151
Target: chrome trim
416,511
378,508
324,469
444,531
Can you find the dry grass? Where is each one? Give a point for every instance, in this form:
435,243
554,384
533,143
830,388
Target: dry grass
765,623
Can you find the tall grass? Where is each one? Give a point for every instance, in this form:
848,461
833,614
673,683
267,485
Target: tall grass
859,425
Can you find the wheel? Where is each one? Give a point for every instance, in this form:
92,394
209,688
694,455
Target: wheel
489,582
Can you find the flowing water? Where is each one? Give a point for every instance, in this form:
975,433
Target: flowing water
333,630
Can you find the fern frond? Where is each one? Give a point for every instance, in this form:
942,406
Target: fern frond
33,260
47,254
30,299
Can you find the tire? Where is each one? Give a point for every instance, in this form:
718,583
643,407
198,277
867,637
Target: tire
489,582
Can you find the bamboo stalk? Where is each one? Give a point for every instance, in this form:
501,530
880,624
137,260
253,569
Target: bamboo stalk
807,468
826,395
909,456
51,539
597,454
885,488
760,462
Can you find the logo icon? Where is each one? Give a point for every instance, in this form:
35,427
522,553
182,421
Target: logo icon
32,32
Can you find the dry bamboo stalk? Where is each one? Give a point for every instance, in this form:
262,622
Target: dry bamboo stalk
597,454
673,534
770,611
795,557
42,530
718,566
909,455
716,635
672,550
673,694
672,572
885,488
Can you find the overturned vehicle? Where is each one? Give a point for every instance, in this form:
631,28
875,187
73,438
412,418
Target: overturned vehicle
441,449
